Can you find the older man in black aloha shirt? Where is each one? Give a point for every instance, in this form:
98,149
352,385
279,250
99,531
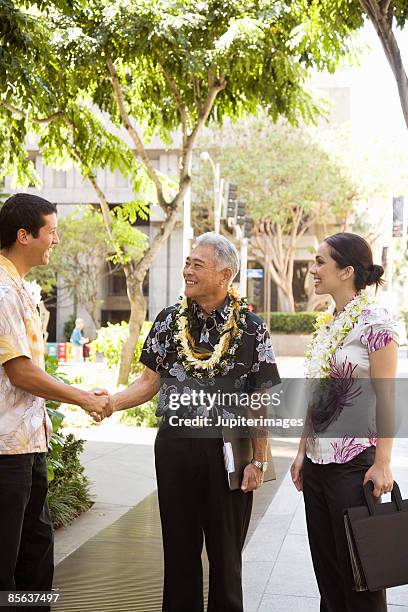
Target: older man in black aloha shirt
194,497
253,369
192,484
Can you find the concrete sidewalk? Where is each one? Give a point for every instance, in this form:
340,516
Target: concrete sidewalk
278,574
119,462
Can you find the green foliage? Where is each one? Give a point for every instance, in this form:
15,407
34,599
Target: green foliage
69,487
68,494
286,169
142,416
24,38
168,55
290,322
325,33
78,259
289,183
45,276
127,243
160,45
69,326
28,78
3,197
109,341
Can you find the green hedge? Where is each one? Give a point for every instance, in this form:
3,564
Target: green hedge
289,322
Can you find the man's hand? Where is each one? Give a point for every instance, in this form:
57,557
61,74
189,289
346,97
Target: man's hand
253,478
96,403
109,408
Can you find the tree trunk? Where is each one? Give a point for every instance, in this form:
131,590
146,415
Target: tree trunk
285,300
381,16
138,308
135,274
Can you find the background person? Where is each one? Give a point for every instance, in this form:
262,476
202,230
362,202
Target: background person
78,340
28,232
358,340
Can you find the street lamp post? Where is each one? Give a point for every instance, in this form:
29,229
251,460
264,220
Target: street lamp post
218,187
188,231
243,257
239,233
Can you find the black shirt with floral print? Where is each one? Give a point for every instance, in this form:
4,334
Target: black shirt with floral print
254,368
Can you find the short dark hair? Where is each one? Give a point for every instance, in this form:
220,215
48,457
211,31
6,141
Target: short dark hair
22,211
352,250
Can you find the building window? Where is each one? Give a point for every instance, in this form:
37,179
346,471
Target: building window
120,181
114,316
59,179
300,273
117,283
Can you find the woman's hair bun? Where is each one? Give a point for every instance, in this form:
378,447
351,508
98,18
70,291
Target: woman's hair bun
375,272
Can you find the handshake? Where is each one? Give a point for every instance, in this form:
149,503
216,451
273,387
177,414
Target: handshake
97,403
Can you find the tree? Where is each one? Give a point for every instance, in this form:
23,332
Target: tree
79,262
289,184
383,14
379,169
151,67
324,20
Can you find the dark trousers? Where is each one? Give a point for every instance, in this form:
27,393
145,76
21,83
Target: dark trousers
196,503
328,490
26,537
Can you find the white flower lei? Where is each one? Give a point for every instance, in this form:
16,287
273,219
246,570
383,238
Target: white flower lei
330,333
34,291
208,364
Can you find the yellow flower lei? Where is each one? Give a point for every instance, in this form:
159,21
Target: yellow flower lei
207,362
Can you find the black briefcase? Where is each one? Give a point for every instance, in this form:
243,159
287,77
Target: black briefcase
377,536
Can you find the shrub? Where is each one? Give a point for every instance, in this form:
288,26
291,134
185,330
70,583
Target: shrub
142,416
69,326
69,487
290,322
110,340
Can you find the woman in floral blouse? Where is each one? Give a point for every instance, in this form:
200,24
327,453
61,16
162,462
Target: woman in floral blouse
355,341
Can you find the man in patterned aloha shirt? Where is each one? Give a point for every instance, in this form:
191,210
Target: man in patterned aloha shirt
194,497
28,232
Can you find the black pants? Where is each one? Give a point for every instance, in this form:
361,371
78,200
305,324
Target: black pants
328,490
196,503
26,537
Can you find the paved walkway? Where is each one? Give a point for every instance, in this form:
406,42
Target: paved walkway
119,462
278,575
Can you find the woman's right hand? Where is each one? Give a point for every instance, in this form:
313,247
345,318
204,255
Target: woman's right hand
296,471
